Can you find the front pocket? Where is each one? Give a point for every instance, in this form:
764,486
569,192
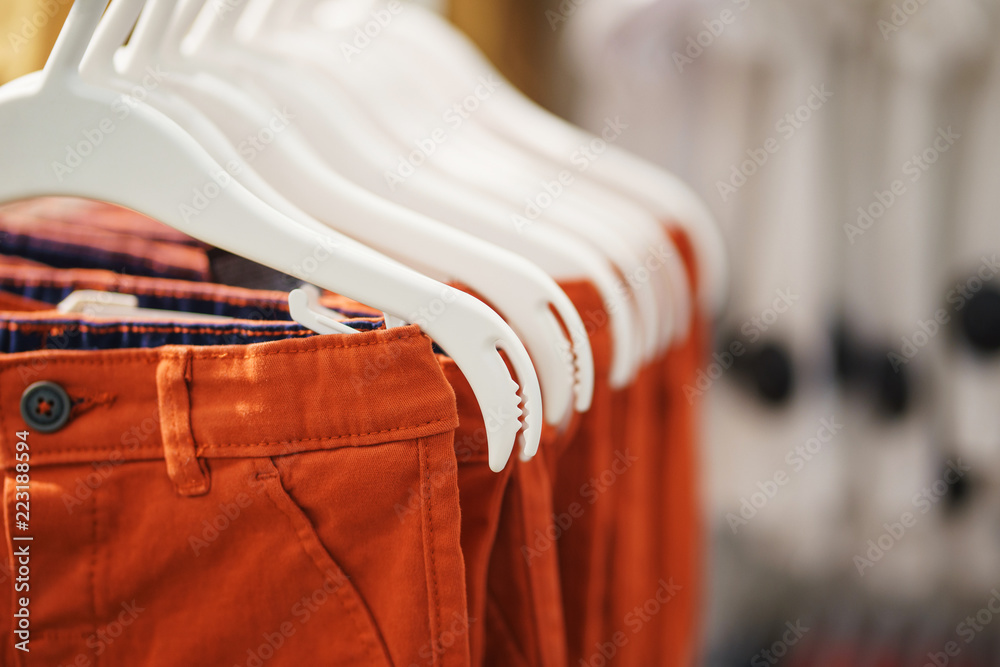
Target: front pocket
365,632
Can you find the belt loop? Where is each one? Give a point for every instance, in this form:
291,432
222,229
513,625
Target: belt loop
189,475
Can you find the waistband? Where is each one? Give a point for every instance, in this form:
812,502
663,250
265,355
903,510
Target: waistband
99,216
272,399
60,239
47,330
258,315
49,285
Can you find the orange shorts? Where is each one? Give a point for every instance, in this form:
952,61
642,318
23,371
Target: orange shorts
289,499
581,499
626,486
686,553
482,491
559,556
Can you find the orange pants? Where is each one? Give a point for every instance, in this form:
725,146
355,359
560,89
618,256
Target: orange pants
235,505
589,554
30,289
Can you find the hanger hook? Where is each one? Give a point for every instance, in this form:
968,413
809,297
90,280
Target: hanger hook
74,39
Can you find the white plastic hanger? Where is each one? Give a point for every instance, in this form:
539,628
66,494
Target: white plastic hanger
624,60
523,293
113,305
491,168
315,106
516,118
365,152
147,163
580,202
480,160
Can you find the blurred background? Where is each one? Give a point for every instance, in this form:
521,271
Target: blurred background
852,460
848,152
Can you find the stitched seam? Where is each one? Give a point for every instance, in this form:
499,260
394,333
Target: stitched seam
321,346
347,601
200,449
330,345
175,400
435,596
332,437
532,594
86,362
291,328
96,449
338,344
93,558
3,426
325,345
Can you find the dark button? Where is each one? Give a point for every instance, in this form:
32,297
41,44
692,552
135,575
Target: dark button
772,374
45,407
981,320
959,494
846,356
893,387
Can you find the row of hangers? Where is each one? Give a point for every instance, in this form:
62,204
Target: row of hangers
312,198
